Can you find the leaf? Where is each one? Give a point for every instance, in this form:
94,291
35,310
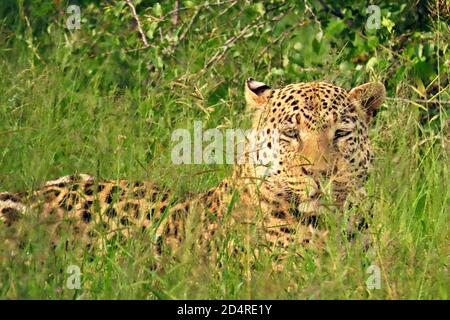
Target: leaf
157,10
316,45
277,72
319,35
259,7
151,30
189,4
335,27
428,49
418,50
371,63
388,24
372,42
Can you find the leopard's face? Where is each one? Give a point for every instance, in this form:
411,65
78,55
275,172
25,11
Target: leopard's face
316,139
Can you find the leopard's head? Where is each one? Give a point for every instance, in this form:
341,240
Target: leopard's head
312,139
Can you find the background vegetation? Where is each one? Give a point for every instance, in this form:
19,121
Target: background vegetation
105,99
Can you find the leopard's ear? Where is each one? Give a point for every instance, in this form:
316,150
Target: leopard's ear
368,98
256,93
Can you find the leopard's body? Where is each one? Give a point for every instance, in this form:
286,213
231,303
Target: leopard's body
314,144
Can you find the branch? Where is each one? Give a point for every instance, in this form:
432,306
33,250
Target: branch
221,52
207,4
185,32
138,22
176,13
418,101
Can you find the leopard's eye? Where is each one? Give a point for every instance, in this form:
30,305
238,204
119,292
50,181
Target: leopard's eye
339,133
292,133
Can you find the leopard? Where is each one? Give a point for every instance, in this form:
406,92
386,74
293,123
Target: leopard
314,153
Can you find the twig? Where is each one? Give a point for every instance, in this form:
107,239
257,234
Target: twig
140,30
108,53
176,13
185,32
221,52
417,101
283,35
227,8
311,11
138,22
197,7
